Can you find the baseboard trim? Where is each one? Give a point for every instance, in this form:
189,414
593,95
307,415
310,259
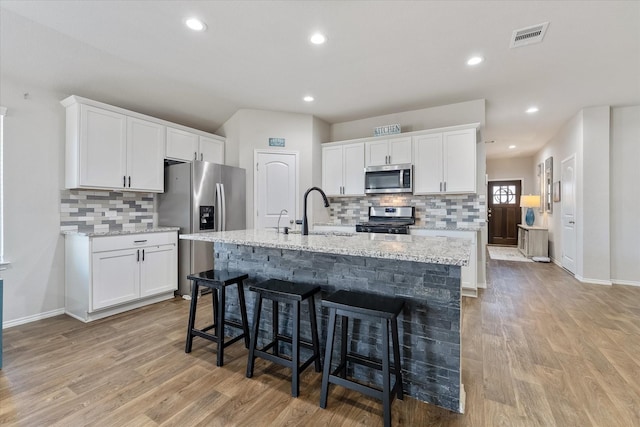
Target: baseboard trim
32,318
625,282
482,285
594,281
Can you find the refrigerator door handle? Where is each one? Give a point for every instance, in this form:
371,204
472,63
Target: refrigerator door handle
224,208
218,207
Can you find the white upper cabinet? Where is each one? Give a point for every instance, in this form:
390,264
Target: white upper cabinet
187,146
98,149
445,162
460,161
343,170
428,167
108,150
145,155
400,151
182,145
211,150
388,151
353,172
332,165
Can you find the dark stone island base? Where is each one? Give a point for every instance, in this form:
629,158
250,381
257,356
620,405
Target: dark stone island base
429,325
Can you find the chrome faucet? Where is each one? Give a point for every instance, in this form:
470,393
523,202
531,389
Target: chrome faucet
280,216
305,221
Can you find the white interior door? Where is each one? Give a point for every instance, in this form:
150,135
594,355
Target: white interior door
275,188
568,203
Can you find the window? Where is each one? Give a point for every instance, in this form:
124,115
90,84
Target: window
3,111
504,195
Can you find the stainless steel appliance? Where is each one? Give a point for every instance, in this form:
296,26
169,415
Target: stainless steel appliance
388,219
201,197
388,179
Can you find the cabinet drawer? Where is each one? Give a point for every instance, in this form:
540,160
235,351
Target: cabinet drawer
111,243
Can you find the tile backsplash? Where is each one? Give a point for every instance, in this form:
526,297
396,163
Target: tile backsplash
431,211
95,211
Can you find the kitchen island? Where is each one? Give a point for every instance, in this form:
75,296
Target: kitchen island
425,271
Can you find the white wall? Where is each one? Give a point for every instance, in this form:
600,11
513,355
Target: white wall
33,176
321,131
566,142
426,118
595,217
606,142
514,168
248,130
625,195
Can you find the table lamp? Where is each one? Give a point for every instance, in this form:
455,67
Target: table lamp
529,202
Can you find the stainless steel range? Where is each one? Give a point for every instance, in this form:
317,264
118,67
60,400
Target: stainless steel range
388,219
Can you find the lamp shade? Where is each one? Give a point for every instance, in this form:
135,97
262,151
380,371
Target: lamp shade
529,201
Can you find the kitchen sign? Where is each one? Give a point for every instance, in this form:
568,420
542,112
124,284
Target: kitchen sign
276,142
386,130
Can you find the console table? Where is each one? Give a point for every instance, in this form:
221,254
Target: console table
533,241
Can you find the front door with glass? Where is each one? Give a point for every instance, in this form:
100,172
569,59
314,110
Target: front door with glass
504,212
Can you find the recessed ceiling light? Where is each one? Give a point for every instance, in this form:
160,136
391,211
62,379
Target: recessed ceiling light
318,38
532,110
195,24
511,147
308,98
475,60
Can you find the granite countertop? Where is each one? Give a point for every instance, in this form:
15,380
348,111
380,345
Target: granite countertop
468,226
121,232
436,250
472,226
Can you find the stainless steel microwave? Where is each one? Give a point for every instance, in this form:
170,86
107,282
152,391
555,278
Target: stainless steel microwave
388,179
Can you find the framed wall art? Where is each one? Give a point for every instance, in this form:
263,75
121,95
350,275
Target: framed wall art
541,185
548,184
556,191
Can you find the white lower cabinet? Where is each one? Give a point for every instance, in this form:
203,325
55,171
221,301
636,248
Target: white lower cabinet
115,278
106,275
468,273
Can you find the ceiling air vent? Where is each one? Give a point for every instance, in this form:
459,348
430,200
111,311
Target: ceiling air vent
529,35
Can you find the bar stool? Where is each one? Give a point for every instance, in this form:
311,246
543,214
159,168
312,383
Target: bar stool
217,281
290,293
374,308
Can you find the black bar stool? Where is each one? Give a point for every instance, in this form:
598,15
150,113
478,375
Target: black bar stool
217,281
289,293
374,308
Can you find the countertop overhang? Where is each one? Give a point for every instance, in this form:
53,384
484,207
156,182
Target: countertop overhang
435,250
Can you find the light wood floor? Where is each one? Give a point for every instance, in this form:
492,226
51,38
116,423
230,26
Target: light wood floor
539,349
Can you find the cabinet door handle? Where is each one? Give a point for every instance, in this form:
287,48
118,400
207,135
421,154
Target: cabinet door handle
124,181
138,256
129,181
440,186
143,255
140,241
201,156
445,186
195,155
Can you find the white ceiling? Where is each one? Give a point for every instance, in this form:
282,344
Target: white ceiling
381,57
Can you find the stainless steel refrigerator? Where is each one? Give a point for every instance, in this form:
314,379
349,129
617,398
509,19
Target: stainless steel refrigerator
201,197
